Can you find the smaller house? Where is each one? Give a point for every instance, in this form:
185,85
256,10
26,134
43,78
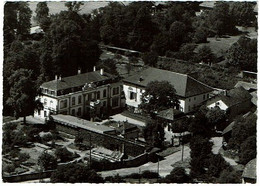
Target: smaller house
234,102
249,173
168,116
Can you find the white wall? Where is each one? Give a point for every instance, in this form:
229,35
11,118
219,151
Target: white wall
185,104
220,104
134,102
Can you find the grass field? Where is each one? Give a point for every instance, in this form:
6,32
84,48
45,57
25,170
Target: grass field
220,45
56,7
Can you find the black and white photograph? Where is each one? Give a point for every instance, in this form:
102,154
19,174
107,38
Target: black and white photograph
139,92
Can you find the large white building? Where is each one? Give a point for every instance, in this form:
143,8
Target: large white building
191,92
77,95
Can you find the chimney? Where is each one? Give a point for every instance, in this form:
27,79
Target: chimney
79,71
225,92
141,79
60,78
56,77
101,71
94,68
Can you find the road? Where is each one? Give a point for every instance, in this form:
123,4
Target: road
164,165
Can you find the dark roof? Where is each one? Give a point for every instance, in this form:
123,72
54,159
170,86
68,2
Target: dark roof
250,169
233,97
169,114
76,81
184,85
231,125
80,123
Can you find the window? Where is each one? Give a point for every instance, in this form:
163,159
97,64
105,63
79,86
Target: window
194,98
207,95
79,100
51,103
132,95
189,100
115,102
73,101
98,95
116,91
52,93
45,102
45,113
79,111
63,104
204,96
104,93
73,112
104,104
189,108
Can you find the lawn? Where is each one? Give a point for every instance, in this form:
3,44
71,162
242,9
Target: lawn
169,151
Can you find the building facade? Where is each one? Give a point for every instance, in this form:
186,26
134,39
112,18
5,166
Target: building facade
83,95
191,93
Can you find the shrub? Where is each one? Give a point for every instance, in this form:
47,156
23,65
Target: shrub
149,174
9,168
64,155
47,161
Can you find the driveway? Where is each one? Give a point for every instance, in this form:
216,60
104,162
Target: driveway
164,165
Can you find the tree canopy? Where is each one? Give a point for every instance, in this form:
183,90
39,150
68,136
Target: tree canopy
243,54
158,95
154,133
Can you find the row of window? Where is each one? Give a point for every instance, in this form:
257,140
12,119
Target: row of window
47,91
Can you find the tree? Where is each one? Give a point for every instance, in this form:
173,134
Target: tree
10,23
75,173
47,161
205,55
186,52
243,12
23,19
247,150
42,15
216,163
219,20
63,154
243,128
109,66
22,93
143,30
243,54
154,133
177,34
160,44
200,150
199,125
200,35
159,95
150,58
216,116
177,175
229,176
74,6
69,45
